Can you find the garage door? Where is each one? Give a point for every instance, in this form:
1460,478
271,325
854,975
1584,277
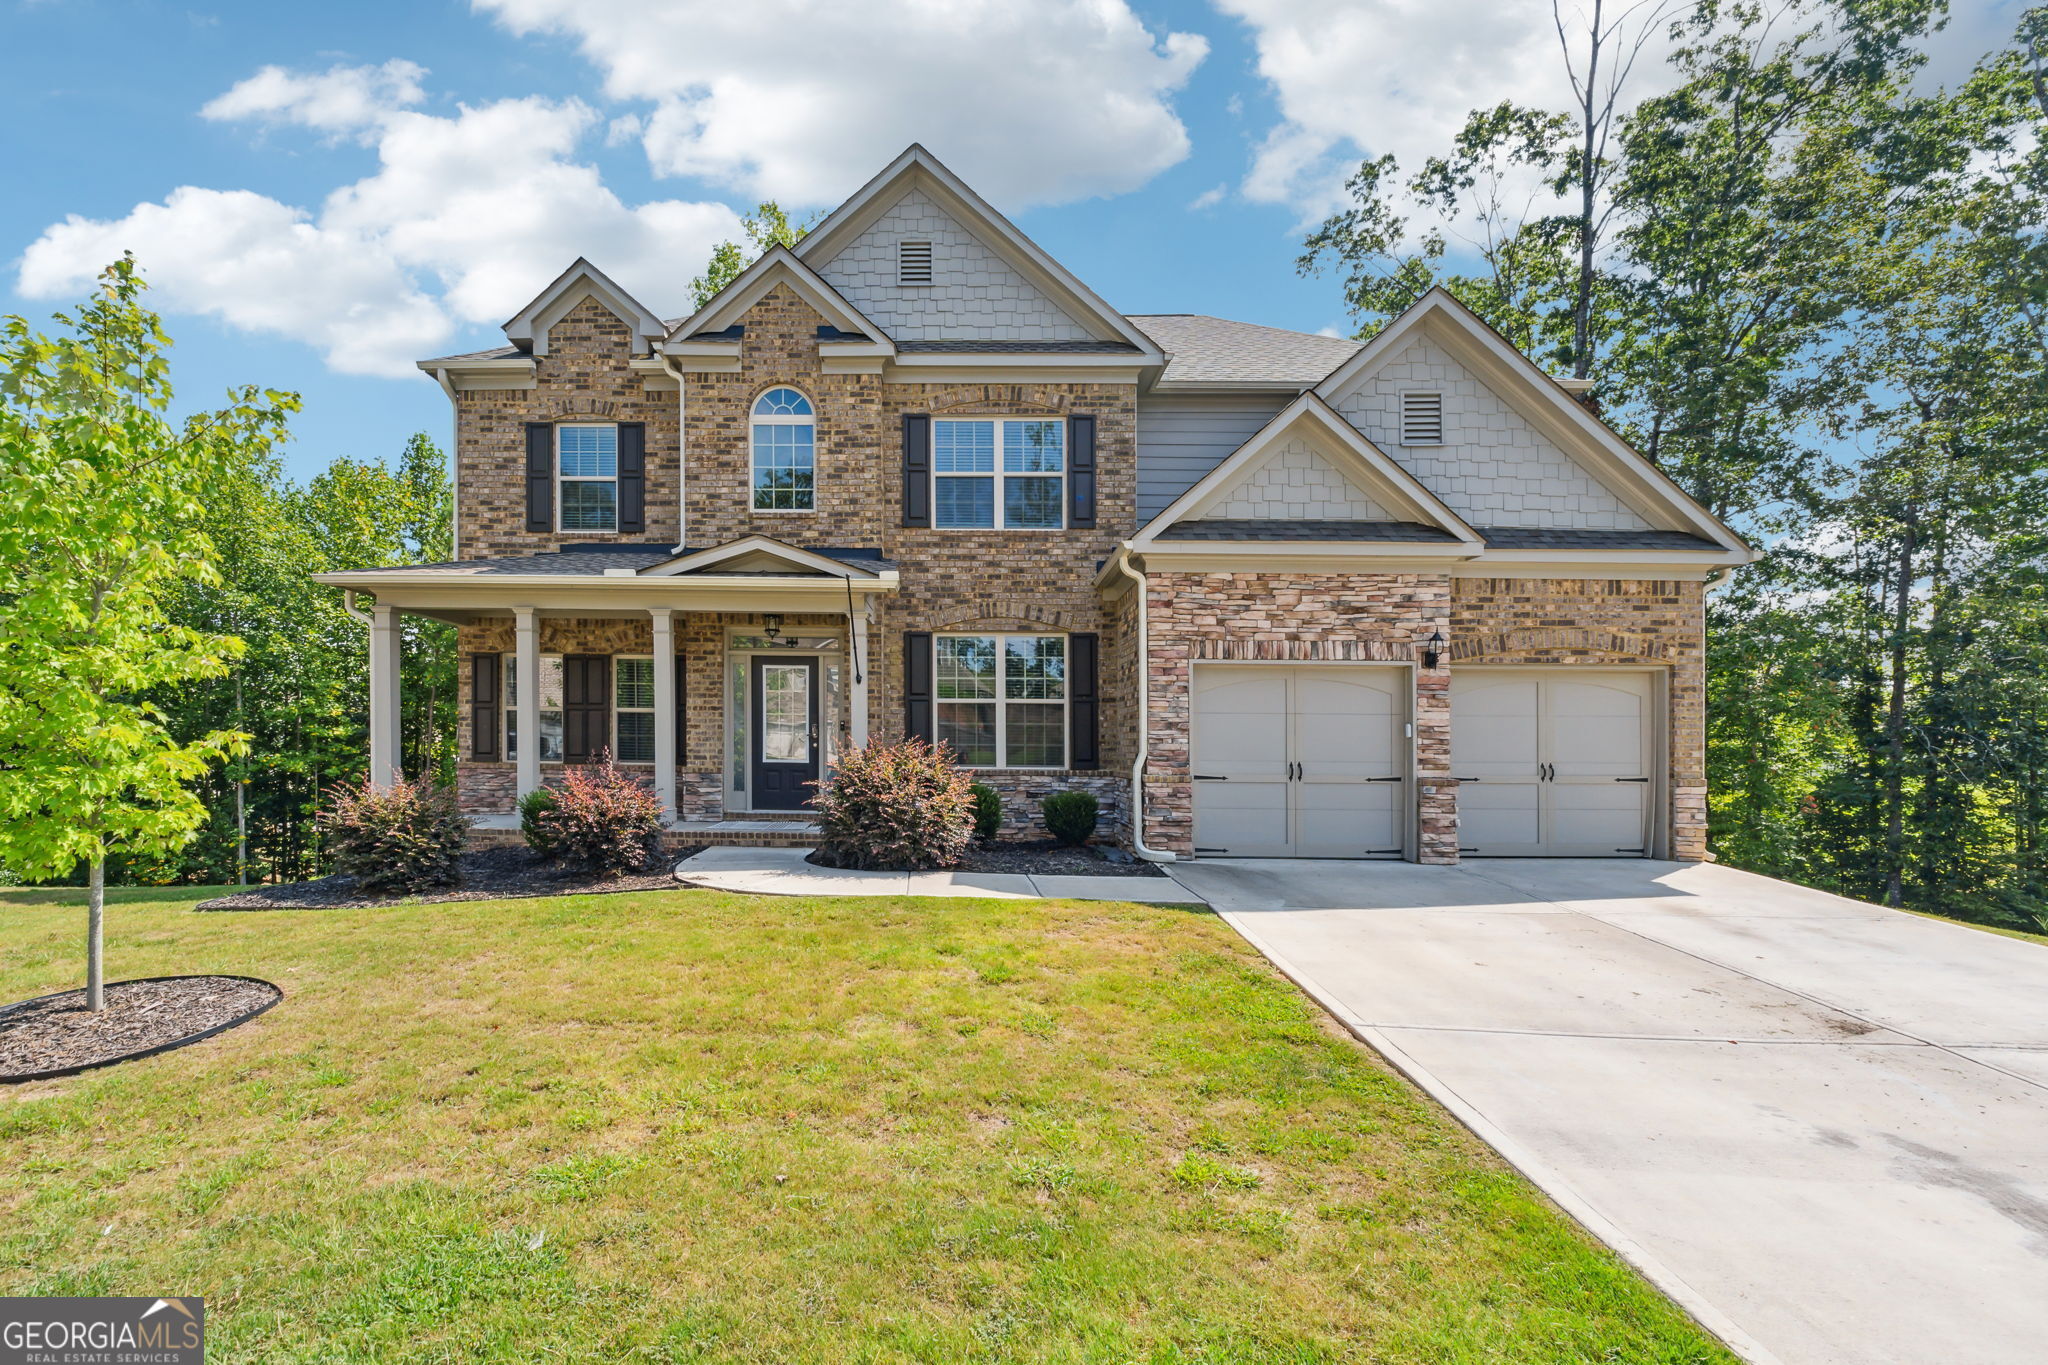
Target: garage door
1552,763
1300,761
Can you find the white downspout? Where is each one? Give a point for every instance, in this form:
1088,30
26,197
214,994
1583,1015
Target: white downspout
668,362
348,604
1150,855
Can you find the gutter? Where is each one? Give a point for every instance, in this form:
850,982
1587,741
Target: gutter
348,604
682,441
1150,855
440,373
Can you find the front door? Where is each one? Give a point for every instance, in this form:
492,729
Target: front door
785,745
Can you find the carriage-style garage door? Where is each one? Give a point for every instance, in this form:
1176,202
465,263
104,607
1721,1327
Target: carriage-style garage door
1552,762
1300,760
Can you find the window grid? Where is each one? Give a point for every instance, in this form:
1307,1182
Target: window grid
587,477
784,452
1027,482
633,708
550,707
1001,700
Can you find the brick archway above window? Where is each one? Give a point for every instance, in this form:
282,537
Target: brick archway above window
1008,399
1000,613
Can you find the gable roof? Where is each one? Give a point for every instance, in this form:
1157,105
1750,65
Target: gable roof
917,168
1540,399
778,265
1216,353
528,328
749,554
1355,456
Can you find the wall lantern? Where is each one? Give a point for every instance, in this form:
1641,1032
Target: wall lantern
1432,649
771,626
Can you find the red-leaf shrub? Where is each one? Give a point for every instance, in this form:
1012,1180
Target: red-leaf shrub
602,820
404,837
900,806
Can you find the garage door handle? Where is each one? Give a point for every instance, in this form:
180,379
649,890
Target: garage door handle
1386,779
1631,779
1209,777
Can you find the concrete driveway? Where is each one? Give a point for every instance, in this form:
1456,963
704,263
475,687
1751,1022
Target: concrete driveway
1821,1125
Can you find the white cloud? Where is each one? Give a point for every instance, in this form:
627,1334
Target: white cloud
801,101
1209,198
1356,78
343,99
465,219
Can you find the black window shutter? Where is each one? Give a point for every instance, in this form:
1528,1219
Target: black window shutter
1084,703
540,476
917,470
586,707
1081,471
483,707
632,477
917,683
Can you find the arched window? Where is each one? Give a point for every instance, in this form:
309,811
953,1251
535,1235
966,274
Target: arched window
785,452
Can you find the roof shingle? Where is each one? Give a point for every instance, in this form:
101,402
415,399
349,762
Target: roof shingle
1205,350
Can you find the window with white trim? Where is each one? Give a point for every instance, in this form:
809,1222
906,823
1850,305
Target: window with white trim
1000,701
785,452
913,263
587,477
1008,472
550,707
1422,418
633,708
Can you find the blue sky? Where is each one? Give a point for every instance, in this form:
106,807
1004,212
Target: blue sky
411,173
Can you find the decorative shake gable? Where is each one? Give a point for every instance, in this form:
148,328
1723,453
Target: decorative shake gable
710,339
989,283
1311,481
528,329
1516,449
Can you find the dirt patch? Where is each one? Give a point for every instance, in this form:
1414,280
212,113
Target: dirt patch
488,874
1045,858
55,1034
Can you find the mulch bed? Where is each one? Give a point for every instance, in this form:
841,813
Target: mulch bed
55,1035
488,874
1045,858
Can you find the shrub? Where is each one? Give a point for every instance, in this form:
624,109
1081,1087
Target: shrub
900,806
988,811
404,837
1071,816
533,807
601,820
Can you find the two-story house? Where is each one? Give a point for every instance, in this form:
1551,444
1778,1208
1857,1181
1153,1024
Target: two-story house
1281,594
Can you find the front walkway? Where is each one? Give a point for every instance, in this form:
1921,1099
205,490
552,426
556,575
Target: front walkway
1821,1125
783,872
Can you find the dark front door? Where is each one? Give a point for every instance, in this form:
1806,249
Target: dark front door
785,747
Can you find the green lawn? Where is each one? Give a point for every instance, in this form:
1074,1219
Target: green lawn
690,1126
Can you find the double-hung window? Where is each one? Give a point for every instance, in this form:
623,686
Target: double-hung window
587,470
633,709
785,452
1007,472
550,707
1001,700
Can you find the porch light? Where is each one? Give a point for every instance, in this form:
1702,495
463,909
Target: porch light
1432,648
771,626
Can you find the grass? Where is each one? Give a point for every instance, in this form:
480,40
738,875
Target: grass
685,1126
2026,934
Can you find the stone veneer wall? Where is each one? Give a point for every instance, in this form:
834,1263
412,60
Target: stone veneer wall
1613,622
582,378
1307,618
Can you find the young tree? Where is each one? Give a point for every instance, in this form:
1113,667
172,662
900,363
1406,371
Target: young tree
768,226
103,499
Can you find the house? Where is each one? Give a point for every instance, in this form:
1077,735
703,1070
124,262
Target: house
1405,599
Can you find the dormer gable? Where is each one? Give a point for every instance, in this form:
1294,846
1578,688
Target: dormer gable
929,260
528,328
1304,475
1505,444
778,266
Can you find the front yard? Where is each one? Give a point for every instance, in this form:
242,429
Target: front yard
685,1126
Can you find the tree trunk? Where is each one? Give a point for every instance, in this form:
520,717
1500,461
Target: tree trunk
1895,726
95,915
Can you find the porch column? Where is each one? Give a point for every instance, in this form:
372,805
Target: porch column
863,664
664,710
527,634
384,656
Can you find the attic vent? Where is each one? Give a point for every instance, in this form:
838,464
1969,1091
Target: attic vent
913,263
1422,419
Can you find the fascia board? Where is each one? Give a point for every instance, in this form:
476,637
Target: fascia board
896,373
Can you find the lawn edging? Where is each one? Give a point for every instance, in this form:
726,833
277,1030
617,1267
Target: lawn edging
1553,1185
